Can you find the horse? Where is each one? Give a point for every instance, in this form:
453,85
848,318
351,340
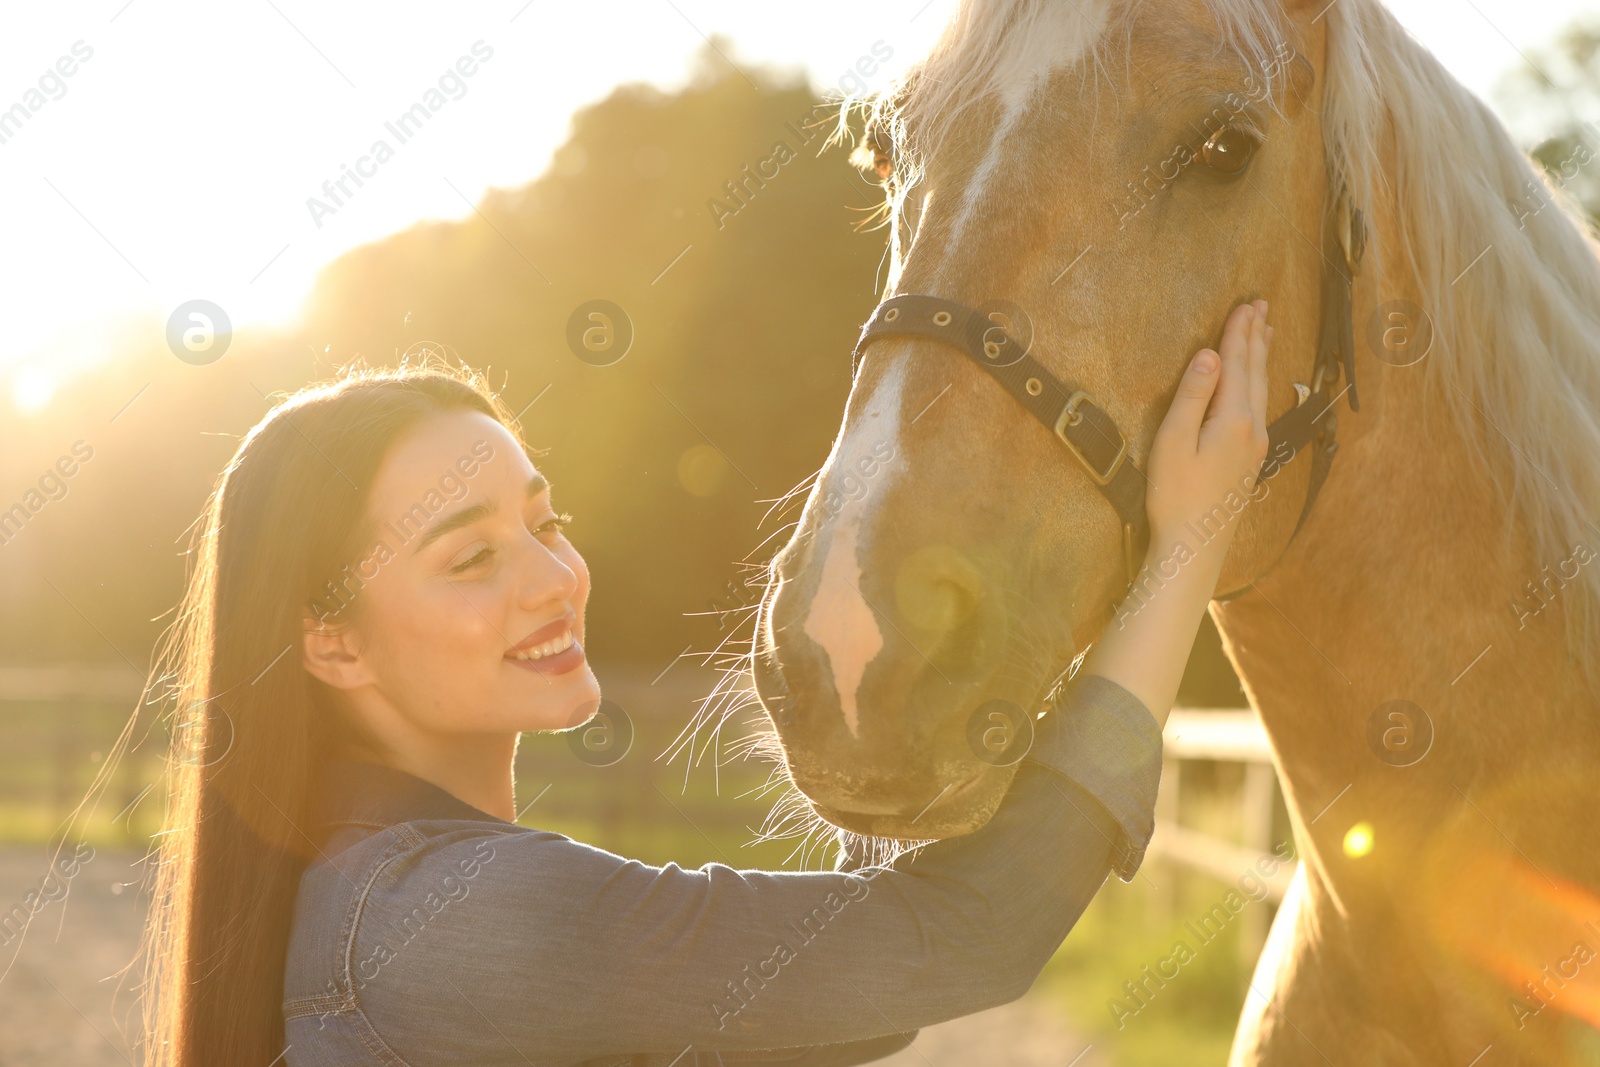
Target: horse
1408,599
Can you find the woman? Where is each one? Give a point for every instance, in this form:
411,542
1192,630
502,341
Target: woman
383,600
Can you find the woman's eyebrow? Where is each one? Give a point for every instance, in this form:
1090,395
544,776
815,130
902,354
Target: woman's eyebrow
469,515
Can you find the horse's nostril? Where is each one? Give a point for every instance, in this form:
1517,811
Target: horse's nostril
938,589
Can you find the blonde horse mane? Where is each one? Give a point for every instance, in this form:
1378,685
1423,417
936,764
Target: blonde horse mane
1514,298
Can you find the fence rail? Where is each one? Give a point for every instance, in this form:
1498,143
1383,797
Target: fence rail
1216,735
70,681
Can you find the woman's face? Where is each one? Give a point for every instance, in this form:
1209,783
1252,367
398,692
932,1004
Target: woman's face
473,621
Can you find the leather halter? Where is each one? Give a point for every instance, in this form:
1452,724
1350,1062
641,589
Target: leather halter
1091,435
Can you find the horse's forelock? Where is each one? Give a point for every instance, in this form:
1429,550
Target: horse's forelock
1010,47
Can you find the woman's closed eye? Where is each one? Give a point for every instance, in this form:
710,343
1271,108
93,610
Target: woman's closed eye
545,531
553,525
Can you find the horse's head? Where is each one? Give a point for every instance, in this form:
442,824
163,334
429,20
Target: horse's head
1120,176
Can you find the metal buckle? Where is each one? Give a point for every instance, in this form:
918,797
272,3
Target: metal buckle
1069,417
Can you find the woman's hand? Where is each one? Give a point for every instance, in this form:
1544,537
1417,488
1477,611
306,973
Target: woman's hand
1211,444
1213,439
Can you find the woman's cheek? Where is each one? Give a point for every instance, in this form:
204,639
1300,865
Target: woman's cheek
456,618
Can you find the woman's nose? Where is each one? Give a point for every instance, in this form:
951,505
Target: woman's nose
544,575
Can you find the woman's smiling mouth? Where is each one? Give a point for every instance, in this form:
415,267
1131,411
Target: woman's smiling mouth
548,648
554,649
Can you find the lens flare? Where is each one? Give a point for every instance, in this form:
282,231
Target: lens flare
1358,840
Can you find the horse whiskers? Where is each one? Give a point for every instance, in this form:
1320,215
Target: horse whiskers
879,217
783,502
799,822
766,540
730,695
706,657
775,779
749,742
792,816
789,817
711,724
755,745
712,707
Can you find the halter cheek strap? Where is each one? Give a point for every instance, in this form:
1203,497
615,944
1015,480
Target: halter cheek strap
1079,425
1313,420
1091,435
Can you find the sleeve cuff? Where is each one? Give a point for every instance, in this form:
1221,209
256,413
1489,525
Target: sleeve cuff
1102,737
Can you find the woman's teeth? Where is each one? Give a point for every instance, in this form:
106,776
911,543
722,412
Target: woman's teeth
549,648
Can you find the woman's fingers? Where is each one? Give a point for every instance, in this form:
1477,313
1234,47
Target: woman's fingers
1260,338
1233,392
1225,386
1195,390
1214,432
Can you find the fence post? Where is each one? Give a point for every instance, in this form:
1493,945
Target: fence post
66,745
1166,895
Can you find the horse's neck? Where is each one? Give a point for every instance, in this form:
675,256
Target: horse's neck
1401,587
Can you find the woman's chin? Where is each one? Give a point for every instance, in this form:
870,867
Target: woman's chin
571,704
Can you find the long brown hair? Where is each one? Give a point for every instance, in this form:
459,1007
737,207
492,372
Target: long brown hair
249,724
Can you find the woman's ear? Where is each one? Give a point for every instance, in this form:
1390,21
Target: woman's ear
329,653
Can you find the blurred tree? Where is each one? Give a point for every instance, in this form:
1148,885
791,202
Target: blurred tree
1552,102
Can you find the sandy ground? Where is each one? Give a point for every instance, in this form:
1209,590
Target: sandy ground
57,1007
59,977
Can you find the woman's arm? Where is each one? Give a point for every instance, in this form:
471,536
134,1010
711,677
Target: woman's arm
580,953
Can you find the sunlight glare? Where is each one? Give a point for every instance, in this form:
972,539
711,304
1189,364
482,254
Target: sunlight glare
32,388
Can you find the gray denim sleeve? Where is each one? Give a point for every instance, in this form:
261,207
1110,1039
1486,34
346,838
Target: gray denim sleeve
1112,748
581,954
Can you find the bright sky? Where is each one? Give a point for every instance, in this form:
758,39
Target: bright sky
175,161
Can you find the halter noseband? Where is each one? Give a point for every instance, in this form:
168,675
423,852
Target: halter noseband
1091,435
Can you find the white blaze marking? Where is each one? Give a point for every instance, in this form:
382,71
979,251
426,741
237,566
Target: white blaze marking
1057,37
980,176
842,622
839,618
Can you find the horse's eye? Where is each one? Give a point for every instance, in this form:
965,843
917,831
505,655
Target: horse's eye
1228,151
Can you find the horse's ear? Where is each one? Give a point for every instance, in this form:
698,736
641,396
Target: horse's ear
1308,19
1293,69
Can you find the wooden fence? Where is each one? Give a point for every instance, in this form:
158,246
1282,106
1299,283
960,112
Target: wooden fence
1224,736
